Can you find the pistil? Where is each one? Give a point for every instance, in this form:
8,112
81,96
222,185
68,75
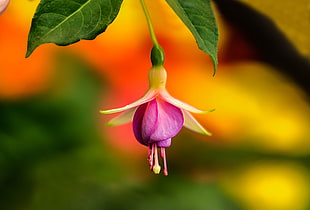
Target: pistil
156,167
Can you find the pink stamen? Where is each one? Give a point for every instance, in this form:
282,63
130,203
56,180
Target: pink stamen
148,152
163,156
151,156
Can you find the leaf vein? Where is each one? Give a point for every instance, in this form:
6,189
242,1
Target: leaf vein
67,18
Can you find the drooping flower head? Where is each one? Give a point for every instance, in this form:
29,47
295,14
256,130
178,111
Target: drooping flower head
157,117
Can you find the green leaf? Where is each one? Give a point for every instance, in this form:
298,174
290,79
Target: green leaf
198,16
64,22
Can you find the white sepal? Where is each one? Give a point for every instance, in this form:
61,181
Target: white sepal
191,123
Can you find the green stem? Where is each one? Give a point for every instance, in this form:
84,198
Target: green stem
157,53
149,23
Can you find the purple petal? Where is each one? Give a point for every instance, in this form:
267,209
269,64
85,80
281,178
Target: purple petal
164,143
157,122
137,123
150,120
168,123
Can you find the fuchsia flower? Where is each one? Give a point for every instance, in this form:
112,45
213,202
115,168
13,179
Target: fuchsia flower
157,117
3,5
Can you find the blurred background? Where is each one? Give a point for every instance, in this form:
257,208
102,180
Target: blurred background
56,153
